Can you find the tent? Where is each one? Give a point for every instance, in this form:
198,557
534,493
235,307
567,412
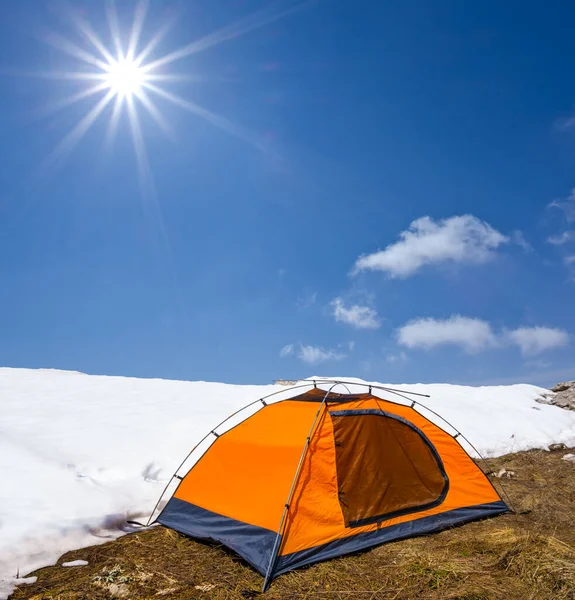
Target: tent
324,474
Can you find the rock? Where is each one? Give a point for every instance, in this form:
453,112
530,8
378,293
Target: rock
119,590
569,457
504,473
563,396
546,398
556,447
167,591
564,385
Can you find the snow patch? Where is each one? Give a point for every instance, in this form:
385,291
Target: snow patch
9,584
75,563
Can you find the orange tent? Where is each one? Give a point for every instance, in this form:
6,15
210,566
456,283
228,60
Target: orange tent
324,474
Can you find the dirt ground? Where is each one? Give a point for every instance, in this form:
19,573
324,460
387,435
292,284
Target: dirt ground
528,556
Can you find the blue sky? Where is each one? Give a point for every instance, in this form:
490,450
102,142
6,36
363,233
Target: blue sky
381,191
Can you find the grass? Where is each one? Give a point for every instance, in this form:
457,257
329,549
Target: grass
528,556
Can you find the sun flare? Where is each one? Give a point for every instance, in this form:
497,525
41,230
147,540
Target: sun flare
124,77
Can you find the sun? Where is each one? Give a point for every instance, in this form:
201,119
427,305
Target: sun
124,77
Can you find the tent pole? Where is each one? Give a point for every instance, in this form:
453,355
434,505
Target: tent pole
276,546
372,385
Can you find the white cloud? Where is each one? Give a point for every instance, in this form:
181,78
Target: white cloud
534,340
361,317
518,237
567,206
394,359
306,301
313,355
569,262
460,239
470,334
562,238
474,335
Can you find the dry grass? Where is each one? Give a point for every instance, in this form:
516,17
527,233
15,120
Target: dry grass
529,556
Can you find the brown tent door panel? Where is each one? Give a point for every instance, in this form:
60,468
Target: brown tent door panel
386,467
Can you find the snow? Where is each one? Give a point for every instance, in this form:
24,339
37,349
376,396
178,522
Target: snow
80,454
75,563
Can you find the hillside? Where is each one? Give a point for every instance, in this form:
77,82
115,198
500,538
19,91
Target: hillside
529,556
80,454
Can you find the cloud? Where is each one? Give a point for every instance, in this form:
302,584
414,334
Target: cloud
313,355
567,206
460,239
562,238
306,301
361,317
534,340
470,334
474,335
518,237
394,359
565,124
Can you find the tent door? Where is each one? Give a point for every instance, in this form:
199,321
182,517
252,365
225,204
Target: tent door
386,467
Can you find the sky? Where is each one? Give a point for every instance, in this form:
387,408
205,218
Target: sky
282,189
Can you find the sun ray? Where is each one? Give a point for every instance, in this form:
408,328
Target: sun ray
254,21
152,109
208,115
72,50
74,136
62,75
151,204
156,39
176,77
69,100
139,147
92,36
114,121
139,18
114,27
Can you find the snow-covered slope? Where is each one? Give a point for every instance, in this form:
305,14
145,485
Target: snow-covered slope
79,453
